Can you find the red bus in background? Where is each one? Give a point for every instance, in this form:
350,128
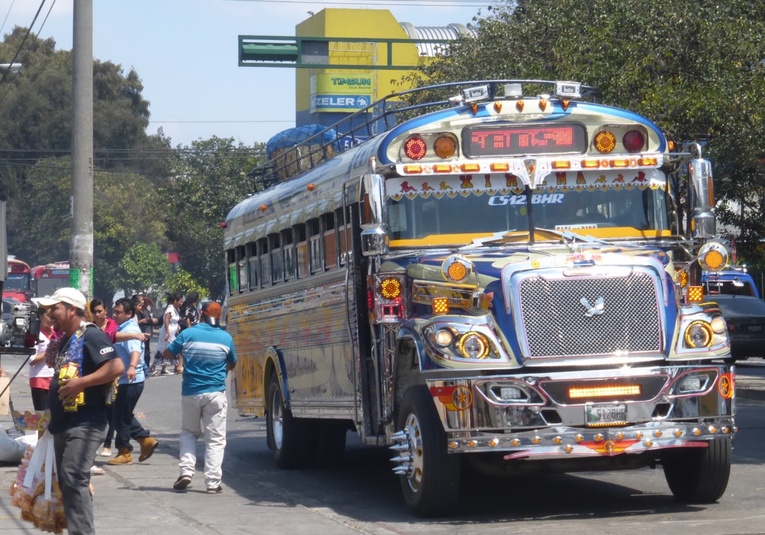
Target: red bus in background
18,282
49,278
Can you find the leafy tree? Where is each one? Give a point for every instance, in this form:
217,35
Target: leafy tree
36,109
41,230
182,281
143,267
209,180
127,211
695,67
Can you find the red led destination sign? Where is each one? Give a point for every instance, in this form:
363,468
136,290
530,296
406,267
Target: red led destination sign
515,140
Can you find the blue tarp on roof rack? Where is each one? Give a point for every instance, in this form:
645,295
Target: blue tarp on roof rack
298,135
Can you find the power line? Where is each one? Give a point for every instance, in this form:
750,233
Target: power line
18,50
6,16
224,121
388,3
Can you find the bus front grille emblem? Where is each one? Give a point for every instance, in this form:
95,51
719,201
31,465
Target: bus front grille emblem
593,310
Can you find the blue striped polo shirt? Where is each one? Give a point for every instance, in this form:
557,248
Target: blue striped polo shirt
206,352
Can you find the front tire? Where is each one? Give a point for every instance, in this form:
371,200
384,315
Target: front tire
291,439
431,486
699,475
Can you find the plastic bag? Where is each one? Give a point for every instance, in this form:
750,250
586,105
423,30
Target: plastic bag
36,490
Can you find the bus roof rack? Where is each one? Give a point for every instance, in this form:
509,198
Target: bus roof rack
389,111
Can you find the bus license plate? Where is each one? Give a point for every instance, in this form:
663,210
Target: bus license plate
605,414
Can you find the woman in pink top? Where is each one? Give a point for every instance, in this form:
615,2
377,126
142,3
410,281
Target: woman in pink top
102,320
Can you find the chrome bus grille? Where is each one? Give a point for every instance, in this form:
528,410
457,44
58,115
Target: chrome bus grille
581,316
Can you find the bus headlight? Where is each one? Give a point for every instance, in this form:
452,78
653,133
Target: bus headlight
443,337
718,325
474,346
698,335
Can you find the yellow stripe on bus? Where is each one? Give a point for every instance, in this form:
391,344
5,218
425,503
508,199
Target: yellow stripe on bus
465,239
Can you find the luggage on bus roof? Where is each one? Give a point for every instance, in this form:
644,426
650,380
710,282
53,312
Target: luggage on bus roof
296,136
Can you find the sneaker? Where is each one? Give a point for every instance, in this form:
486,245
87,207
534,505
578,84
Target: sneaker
182,482
166,372
106,452
97,470
214,490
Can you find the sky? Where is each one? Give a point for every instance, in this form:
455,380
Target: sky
186,54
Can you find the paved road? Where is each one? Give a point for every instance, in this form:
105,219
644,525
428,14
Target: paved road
361,497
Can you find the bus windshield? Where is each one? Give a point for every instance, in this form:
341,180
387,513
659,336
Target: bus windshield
608,212
16,281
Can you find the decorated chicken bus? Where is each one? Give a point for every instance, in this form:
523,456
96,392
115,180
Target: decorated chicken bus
499,278
17,285
48,278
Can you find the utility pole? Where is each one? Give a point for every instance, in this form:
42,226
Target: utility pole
81,244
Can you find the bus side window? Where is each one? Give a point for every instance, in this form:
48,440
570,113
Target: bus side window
277,259
314,246
289,254
242,269
343,218
254,262
233,283
301,250
265,262
330,240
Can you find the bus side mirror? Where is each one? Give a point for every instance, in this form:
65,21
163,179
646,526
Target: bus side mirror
702,198
374,233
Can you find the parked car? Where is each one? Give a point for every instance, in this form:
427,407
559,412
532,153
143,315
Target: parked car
745,316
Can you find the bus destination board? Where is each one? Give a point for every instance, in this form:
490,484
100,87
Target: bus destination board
516,140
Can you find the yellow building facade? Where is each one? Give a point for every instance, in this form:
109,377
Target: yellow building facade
379,48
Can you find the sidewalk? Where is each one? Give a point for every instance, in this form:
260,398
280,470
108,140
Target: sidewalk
139,498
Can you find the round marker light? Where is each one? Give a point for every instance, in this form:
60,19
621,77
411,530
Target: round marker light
633,141
713,256
390,288
445,147
415,148
456,268
605,142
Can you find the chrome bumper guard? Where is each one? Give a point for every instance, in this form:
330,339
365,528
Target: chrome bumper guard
587,414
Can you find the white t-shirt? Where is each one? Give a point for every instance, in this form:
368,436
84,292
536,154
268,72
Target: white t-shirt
175,317
41,369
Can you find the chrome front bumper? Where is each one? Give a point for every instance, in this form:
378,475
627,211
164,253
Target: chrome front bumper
587,413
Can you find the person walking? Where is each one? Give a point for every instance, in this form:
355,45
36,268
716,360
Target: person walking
209,355
102,320
78,426
189,312
169,330
40,374
142,307
130,388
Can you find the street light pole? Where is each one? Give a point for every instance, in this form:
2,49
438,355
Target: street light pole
81,243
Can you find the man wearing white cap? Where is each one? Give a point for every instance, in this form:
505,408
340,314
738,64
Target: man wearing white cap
79,428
